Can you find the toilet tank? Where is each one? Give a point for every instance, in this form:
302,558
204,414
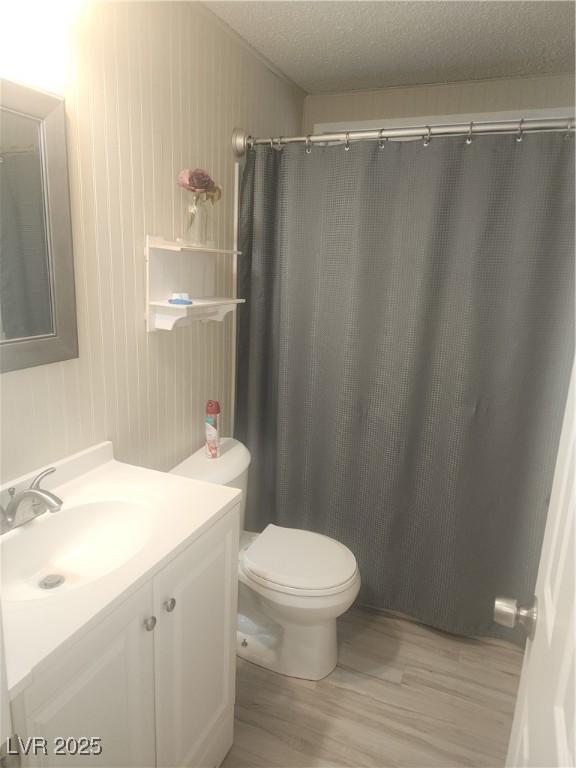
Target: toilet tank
230,468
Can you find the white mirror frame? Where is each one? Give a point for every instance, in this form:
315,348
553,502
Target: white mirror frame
62,343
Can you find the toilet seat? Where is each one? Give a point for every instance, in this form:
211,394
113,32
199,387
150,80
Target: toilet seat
298,562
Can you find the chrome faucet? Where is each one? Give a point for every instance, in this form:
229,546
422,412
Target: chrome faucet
37,501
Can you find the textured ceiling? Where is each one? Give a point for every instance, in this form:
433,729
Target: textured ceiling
326,46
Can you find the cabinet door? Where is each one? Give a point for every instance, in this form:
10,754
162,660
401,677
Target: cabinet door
102,686
195,647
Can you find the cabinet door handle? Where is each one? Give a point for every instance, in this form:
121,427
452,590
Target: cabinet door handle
150,623
169,605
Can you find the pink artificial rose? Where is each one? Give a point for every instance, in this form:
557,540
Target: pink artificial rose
202,186
196,180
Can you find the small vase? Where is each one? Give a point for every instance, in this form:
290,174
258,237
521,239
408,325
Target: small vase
198,232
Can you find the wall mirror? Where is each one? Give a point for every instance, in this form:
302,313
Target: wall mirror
37,301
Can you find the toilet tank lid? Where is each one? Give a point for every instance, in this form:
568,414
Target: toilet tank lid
233,462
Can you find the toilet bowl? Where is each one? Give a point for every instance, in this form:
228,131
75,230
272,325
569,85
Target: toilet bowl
293,584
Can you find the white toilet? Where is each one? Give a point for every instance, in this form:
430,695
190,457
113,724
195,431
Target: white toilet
293,584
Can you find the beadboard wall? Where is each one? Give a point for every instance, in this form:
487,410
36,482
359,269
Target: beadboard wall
498,95
153,87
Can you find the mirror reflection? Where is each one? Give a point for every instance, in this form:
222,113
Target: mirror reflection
25,284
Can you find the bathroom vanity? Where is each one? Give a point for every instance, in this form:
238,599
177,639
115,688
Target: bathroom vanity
131,660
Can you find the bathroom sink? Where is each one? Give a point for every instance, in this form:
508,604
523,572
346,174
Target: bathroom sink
72,548
119,526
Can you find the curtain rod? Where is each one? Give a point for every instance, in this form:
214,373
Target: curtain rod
242,141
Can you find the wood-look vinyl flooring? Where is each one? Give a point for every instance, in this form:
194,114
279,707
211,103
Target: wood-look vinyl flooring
402,695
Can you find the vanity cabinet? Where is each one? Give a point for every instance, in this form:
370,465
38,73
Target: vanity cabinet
102,686
154,680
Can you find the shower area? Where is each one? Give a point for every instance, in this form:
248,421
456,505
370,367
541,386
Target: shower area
404,352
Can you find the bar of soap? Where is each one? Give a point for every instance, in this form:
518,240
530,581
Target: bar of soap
180,301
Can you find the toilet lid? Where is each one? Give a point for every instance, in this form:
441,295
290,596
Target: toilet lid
299,559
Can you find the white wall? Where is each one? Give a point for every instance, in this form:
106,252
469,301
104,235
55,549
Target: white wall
154,87
500,95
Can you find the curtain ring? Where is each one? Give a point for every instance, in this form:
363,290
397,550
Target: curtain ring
381,139
347,142
469,137
308,145
279,144
250,142
271,143
520,134
428,137
569,129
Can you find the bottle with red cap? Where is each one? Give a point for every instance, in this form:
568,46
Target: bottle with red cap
211,420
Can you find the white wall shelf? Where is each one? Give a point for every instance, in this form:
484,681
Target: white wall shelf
160,244
175,266
163,316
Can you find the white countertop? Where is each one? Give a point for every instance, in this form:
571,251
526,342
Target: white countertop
181,509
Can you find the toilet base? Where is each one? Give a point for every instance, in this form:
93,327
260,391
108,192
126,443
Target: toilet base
309,652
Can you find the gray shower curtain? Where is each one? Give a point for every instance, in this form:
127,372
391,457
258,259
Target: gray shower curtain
404,355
